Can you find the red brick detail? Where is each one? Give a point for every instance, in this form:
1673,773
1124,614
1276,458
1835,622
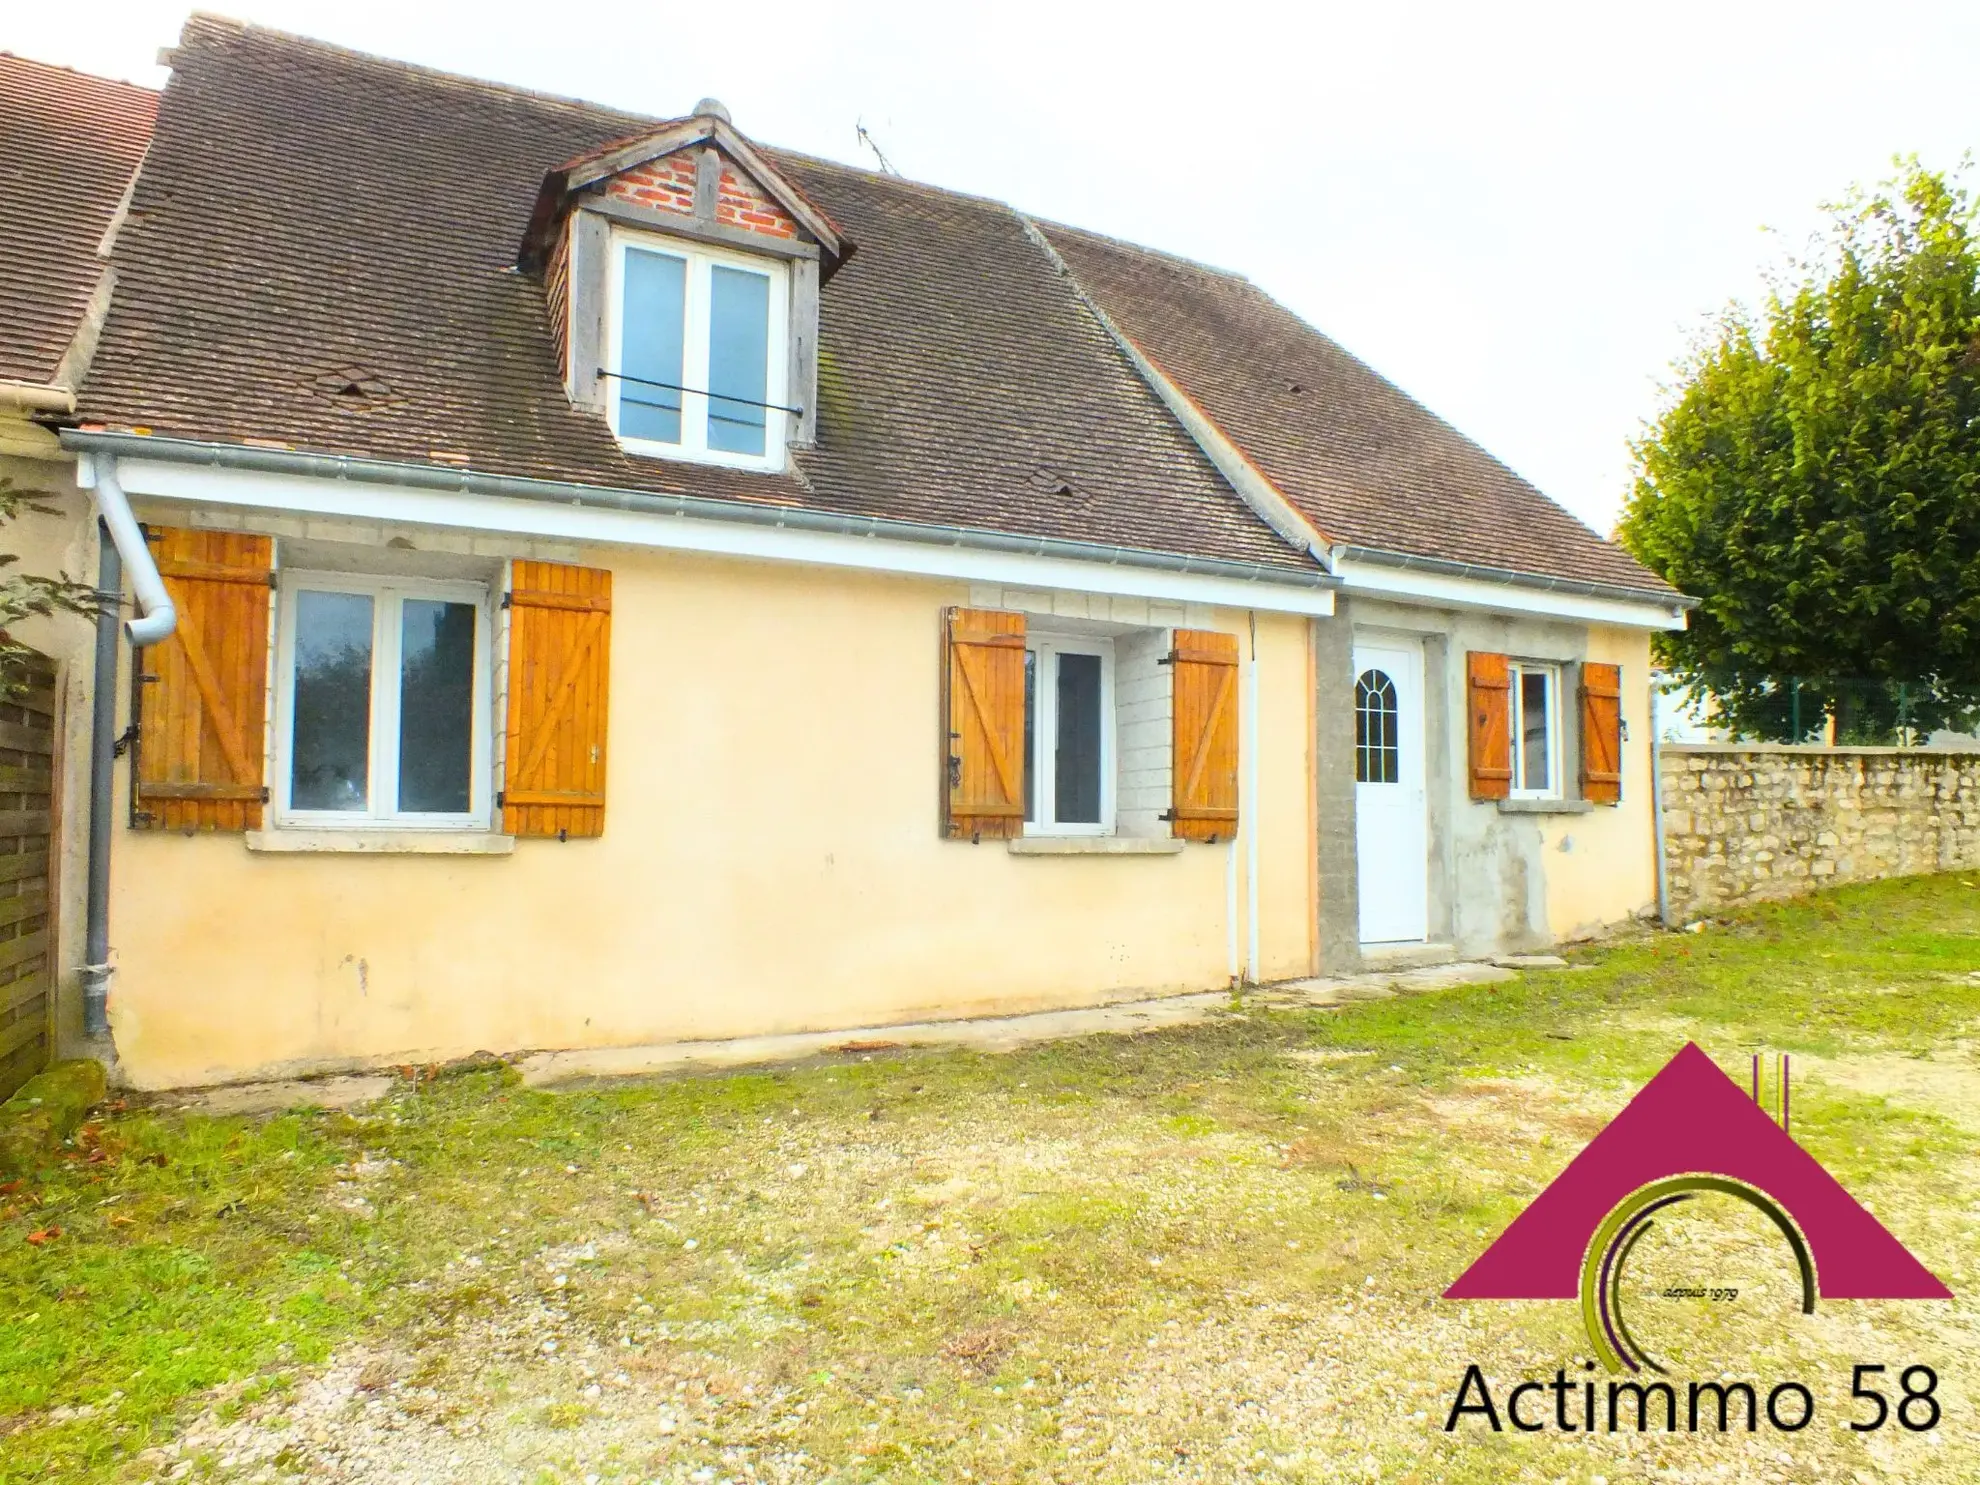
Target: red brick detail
667,184
739,203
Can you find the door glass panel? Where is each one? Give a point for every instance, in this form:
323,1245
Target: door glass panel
1377,746
738,360
1076,770
1533,760
330,752
654,330
436,706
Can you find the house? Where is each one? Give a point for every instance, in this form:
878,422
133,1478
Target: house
626,582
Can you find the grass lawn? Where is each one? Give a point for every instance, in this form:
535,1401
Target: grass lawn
1204,1254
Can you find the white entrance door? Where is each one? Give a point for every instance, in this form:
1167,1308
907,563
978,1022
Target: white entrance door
1391,832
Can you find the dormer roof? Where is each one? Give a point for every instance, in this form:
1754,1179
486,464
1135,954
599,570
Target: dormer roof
708,126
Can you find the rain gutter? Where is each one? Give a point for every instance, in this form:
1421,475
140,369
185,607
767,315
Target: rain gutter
602,497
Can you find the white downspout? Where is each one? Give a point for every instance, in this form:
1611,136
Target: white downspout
121,550
1231,912
1250,807
158,618
1657,813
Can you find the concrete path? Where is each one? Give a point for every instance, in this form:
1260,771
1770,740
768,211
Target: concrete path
345,1092
988,1034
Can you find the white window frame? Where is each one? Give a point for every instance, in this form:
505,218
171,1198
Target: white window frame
701,260
1516,717
1045,730
387,638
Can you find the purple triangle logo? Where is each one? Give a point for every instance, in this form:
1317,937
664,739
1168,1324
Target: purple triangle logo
1690,1131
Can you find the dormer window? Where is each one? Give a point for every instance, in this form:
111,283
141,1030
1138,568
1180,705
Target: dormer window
681,270
697,353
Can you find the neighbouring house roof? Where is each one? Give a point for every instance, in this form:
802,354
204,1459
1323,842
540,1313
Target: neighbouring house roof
322,254
68,146
1364,462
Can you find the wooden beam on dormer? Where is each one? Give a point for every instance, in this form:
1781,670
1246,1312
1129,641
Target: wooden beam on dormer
720,138
788,196
617,159
707,184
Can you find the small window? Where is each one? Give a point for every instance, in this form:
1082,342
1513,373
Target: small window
1377,748
1535,713
1068,737
696,355
382,702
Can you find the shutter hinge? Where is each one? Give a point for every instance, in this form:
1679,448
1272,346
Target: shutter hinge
1623,724
264,794
128,736
501,797
507,596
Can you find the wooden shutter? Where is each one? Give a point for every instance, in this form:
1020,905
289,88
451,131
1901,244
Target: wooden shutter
983,758
1601,733
202,693
560,646
1488,697
1204,735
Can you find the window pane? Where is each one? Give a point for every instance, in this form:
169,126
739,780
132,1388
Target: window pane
1076,769
330,754
1533,699
738,360
651,339
436,706
1030,735
1377,749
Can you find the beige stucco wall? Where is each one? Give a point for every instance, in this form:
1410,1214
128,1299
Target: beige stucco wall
48,545
1602,867
770,863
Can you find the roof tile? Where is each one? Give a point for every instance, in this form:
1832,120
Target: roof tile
68,145
311,218
1362,460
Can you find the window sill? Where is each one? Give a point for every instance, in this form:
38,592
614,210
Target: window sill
382,842
1546,807
1094,845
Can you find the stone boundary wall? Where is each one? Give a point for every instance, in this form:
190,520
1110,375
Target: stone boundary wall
1743,823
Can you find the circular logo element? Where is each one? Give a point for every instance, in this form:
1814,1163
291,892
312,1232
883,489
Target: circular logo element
1623,1228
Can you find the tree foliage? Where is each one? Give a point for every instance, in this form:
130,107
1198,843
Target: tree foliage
26,595
1815,479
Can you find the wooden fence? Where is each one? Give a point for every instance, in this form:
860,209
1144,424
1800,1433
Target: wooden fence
28,742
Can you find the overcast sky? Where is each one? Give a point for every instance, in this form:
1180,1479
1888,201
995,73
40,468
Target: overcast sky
1521,213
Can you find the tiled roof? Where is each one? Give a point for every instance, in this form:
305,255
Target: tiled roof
311,220
1363,461
321,255
68,145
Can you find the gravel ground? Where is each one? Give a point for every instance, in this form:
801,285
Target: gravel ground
1254,1363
